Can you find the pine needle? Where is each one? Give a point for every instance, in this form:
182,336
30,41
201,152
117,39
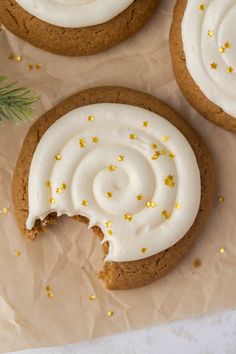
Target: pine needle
15,103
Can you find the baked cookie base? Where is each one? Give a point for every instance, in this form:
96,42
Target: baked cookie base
117,275
189,88
76,41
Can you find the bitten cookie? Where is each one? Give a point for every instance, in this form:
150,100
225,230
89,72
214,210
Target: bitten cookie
80,27
126,164
203,49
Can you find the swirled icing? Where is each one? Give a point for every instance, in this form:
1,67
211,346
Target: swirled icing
74,13
208,34
128,170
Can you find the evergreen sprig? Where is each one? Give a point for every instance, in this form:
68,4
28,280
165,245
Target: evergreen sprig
15,103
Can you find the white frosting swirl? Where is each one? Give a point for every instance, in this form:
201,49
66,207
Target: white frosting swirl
74,13
128,170
208,34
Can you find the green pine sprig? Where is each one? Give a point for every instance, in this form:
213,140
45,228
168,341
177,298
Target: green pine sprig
15,103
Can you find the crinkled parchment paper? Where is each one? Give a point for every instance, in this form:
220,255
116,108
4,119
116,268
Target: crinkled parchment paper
69,256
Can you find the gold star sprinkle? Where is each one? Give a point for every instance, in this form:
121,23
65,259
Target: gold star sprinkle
108,224
210,33
30,67
145,124
57,157
92,297
110,313
177,205
165,214
222,250
59,190
82,143
109,194
5,210
169,181
50,295
121,158
227,45
222,50
112,168
84,203
48,184
48,288
154,146
17,253
95,139
38,66
144,249
132,136
230,69
128,217
202,7
90,118
156,155
63,186
214,66
139,197
52,200
166,138
221,199
110,232
18,57
171,155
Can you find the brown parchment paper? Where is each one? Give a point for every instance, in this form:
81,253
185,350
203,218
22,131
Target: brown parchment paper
68,257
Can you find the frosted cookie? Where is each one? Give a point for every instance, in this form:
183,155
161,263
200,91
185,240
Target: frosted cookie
75,27
126,164
203,48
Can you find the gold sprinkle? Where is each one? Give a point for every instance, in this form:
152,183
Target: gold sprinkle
132,136
154,146
112,168
139,197
165,214
177,205
64,186
222,49
84,203
110,313
145,124
92,297
151,204
57,157
128,217
95,139
48,288
121,158
169,181
17,253
222,250
82,143
38,66
210,33
59,190
18,57
5,210
48,184
221,199
144,249
30,67
109,194
214,66
227,45
110,232
90,118
108,224
171,155
202,7
156,155
230,69
52,200
166,138
50,295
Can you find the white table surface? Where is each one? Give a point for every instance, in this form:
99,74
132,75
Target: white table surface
215,334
